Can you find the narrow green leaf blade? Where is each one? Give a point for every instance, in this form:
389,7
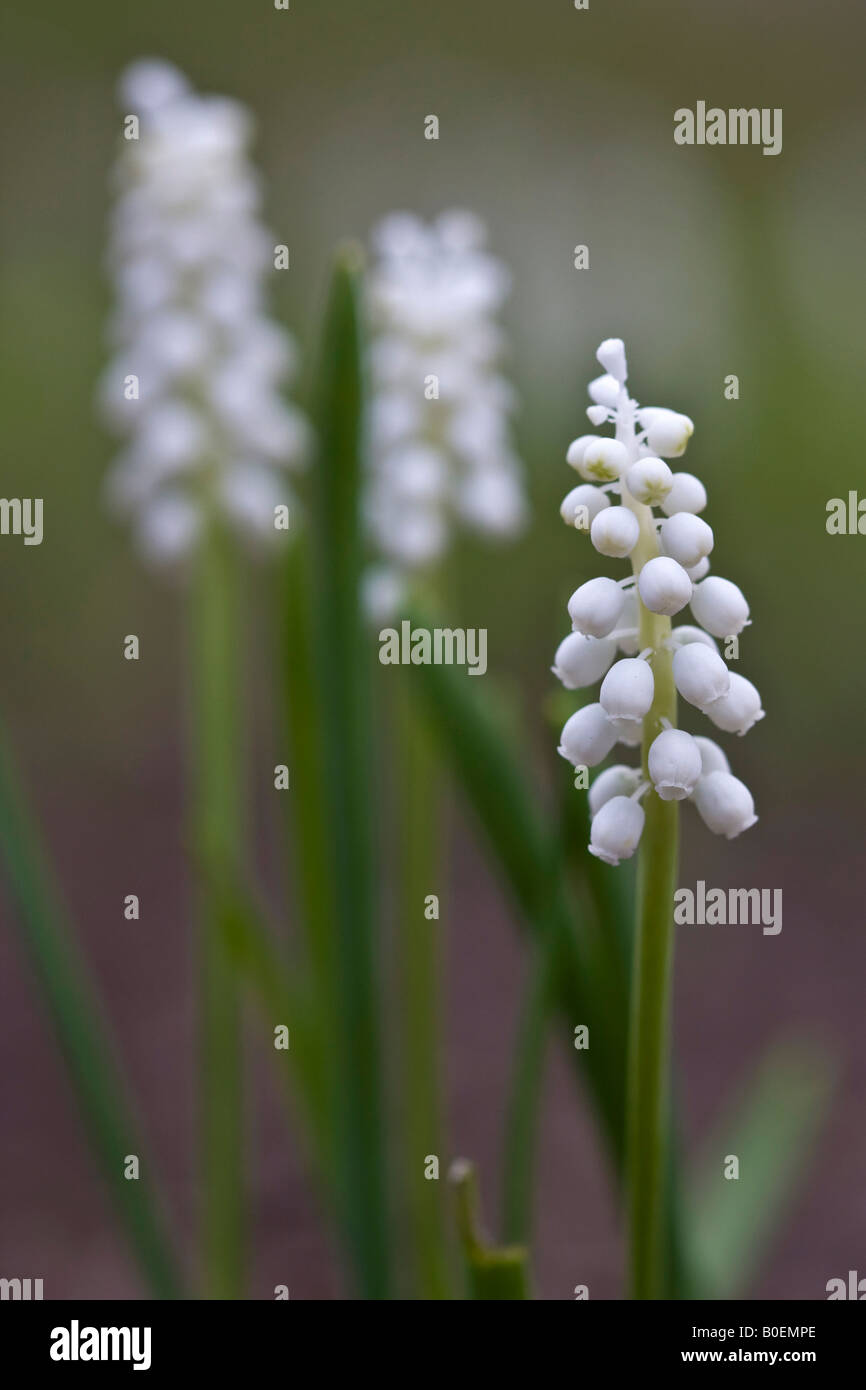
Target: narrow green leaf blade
771,1129
343,676
85,1044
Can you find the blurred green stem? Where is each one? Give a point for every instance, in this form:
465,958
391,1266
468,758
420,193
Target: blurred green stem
85,1044
524,1102
310,829
648,1091
217,832
420,959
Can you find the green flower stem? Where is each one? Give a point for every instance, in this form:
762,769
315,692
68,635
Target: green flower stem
85,1044
420,970
217,833
648,1089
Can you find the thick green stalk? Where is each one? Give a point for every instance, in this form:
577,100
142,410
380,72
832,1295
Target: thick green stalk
85,1043
217,833
420,960
648,1091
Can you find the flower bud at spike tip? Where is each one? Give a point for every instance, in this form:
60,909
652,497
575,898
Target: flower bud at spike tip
583,496
616,830
611,356
615,532
587,737
618,780
674,764
725,804
605,390
687,494
737,711
700,675
582,661
649,481
719,606
664,586
627,689
595,607
686,538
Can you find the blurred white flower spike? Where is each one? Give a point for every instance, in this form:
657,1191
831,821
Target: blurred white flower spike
440,447
626,476
194,384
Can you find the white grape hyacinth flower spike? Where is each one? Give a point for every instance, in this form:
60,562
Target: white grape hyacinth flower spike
440,449
195,384
627,478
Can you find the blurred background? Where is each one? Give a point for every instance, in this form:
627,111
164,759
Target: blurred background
556,126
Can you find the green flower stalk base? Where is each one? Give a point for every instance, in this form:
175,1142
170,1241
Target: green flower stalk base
647,1095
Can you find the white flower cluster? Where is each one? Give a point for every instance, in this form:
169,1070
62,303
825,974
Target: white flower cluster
625,477
440,449
194,382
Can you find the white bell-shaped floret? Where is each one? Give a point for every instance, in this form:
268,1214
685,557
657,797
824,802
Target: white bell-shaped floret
618,780
577,448
605,390
628,638
685,633
725,804
664,585
737,711
686,538
668,432
627,689
616,830
628,731
649,481
582,505
713,758
719,606
674,763
587,737
603,460
700,675
699,571
598,414
615,532
596,606
611,355
687,494
582,661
